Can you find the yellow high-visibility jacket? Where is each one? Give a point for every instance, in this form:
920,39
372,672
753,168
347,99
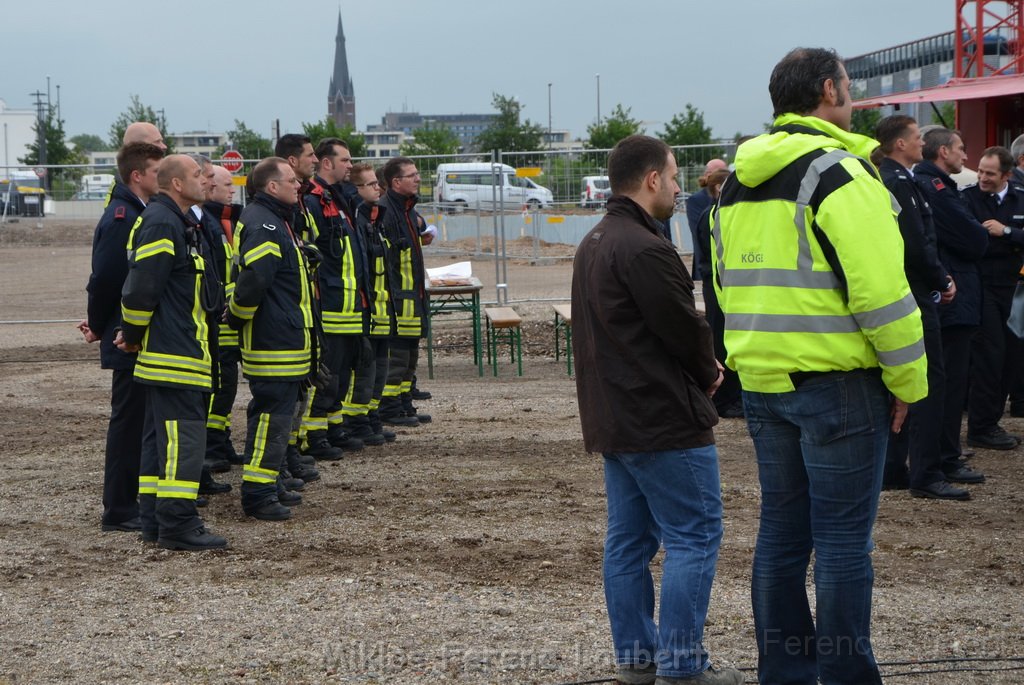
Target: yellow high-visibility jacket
808,263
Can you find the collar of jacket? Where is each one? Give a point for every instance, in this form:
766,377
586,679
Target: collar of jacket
862,146
285,211
330,201
621,205
188,219
217,209
365,209
930,168
892,165
123,192
405,201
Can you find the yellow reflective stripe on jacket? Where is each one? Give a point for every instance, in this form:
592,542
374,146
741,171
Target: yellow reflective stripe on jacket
162,246
136,317
148,373
260,251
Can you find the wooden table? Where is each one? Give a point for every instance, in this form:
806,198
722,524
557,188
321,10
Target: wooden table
447,300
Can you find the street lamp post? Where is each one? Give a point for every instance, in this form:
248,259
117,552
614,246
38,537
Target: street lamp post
550,140
598,77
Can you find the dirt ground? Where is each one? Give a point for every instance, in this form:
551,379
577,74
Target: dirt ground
469,551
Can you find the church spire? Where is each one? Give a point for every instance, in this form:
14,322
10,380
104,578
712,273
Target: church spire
341,96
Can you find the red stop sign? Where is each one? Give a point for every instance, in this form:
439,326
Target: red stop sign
232,161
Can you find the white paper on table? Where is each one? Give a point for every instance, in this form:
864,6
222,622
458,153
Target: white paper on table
459,272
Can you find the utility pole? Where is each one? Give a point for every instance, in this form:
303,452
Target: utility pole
598,77
40,127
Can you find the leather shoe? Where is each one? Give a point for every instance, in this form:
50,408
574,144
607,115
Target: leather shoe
271,510
634,674
712,676
198,540
150,536
941,490
418,394
965,474
130,526
995,439
202,501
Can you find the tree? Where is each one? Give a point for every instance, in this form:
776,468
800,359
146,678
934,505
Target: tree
435,139
57,152
946,115
865,120
328,128
89,142
137,112
687,128
250,144
607,133
506,132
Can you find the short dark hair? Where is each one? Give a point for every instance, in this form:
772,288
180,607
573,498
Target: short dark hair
325,148
266,171
632,159
1003,155
136,157
935,138
892,128
797,82
393,168
290,145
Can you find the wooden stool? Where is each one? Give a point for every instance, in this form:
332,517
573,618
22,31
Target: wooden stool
503,323
563,329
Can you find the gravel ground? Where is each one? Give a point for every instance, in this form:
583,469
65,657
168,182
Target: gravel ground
468,551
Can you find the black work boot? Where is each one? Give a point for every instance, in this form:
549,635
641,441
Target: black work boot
317,446
208,486
287,497
418,394
298,469
359,429
196,540
409,410
392,413
377,426
338,436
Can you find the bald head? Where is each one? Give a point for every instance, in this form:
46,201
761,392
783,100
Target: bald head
223,188
715,165
144,132
180,178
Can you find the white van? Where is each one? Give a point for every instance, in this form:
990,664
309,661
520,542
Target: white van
481,185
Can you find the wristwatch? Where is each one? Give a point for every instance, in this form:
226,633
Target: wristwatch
1006,231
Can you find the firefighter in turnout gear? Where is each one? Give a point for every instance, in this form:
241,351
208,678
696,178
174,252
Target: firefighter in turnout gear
343,300
406,277
169,293
271,305
221,217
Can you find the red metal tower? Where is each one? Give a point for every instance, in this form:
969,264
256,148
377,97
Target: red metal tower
995,24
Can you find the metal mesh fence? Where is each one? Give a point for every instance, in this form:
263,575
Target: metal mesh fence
518,216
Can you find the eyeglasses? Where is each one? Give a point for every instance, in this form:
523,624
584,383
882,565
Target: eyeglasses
413,175
371,184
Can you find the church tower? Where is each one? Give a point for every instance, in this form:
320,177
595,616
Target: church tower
341,96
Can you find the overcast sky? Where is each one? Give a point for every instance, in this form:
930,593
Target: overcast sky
209,63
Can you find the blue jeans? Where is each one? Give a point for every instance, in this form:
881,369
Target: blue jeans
672,498
820,457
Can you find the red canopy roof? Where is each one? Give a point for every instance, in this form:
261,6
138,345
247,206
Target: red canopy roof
954,89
